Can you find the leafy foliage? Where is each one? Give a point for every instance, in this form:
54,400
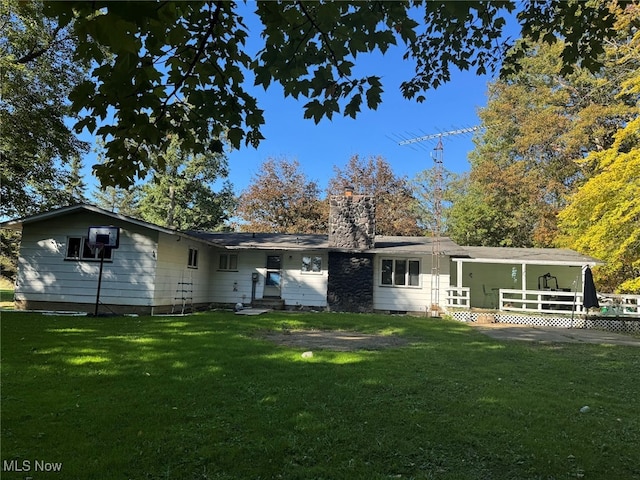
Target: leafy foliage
182,68
282,199
538,122
9,252
603,216
180,194
37,75
395,204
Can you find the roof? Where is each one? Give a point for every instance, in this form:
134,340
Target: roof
548,256
287,241
415,245
264,241
383,244
64,211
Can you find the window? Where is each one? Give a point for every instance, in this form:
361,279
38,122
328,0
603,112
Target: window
78,249
400,272
193,258
311,264
228,261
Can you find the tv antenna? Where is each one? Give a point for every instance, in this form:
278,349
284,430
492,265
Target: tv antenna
436,230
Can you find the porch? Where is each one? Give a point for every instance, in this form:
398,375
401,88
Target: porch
544,301
528,281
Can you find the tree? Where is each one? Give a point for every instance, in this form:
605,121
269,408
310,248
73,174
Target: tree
395,204
602,216
37,74
180,195
538,122
75,186
424,186
119,200
181,68
282,199
9,252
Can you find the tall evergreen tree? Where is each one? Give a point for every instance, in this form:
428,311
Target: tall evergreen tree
181,192
75,186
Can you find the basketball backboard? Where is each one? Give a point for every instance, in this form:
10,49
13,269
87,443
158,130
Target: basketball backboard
104,236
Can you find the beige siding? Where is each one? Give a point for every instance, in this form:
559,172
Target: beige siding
45,276
175,278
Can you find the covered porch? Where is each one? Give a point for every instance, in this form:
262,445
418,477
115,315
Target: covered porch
527,280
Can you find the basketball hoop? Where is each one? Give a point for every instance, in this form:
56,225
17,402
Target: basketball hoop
97,239
96,247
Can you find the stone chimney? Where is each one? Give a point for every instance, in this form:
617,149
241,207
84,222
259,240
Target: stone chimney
351,221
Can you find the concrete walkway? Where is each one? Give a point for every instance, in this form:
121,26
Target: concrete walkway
530,333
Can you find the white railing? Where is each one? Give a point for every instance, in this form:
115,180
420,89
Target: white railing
539,301
551,301
548,301
458,297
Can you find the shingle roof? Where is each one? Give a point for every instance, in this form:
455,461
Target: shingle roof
527,255
283,241
265,241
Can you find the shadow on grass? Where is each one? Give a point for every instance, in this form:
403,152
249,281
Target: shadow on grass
204,397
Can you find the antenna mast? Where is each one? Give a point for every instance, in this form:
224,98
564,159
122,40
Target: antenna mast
436,229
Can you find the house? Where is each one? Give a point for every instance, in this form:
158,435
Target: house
159,270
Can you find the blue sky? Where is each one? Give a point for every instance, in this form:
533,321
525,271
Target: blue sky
374,132
318,148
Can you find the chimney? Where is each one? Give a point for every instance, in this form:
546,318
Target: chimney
351,221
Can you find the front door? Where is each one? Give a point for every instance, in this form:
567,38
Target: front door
273,280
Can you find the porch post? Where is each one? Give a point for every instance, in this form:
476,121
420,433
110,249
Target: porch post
524,281
459,274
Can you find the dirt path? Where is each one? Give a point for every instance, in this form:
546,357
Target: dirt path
334,340
529,333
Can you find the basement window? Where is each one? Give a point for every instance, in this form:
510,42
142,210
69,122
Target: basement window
78,249
400,272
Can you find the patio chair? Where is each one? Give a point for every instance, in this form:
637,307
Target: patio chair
489,295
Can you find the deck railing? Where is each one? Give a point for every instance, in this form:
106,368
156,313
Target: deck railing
539,301
458,297
548,301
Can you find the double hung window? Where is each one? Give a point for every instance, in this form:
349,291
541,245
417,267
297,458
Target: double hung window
228,261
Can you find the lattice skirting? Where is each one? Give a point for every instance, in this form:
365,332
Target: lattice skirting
599,323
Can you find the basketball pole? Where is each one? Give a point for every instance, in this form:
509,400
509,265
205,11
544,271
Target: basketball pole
99,280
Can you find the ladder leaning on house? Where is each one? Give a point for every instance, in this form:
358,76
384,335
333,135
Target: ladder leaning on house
183,297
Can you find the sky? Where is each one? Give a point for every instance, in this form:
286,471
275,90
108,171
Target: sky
320,147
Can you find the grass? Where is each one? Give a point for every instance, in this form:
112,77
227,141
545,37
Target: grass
6,293
203,397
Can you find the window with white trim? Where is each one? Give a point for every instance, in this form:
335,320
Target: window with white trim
228,261
192,262
78,249
400,272
311,264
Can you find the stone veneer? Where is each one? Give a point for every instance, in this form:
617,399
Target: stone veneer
350,282
352,222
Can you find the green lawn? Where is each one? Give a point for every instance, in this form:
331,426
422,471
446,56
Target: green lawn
203,397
